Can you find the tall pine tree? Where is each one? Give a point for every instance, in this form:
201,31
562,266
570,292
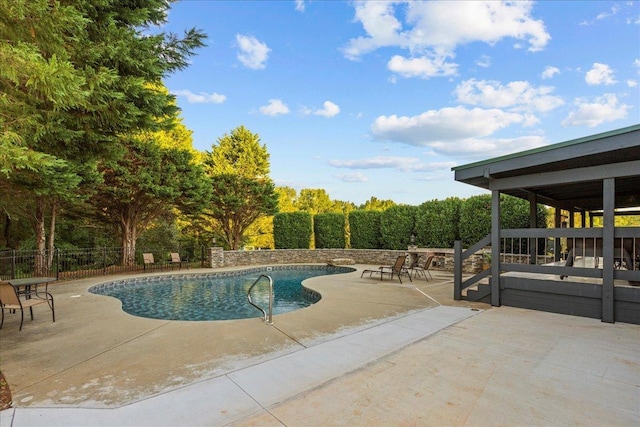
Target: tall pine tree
95,67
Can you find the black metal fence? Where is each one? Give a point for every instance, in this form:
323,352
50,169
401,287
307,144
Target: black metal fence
68,264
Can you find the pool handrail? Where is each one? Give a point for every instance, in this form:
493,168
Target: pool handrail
267,318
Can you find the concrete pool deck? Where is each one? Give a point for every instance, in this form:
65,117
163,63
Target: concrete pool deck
369,353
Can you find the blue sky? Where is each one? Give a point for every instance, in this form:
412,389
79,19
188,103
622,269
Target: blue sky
381,99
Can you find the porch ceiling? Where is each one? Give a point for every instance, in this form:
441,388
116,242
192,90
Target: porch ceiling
567,175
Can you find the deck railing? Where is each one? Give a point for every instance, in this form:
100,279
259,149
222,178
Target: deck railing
547,251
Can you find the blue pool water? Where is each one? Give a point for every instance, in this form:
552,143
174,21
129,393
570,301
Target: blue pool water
216,296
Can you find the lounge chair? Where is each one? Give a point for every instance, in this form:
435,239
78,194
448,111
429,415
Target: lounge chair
398,268
415,260
148,260
175,259
423,269
10,300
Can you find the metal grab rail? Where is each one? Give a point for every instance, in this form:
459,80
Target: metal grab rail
267,318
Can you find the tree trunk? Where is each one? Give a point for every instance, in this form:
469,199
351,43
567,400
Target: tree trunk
9,241
52,234
40,259
237,236
129,238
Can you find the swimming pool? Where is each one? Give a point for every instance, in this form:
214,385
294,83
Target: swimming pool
216,296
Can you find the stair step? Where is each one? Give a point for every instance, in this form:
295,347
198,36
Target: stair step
483,291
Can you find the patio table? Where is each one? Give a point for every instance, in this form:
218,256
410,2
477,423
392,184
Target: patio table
27,283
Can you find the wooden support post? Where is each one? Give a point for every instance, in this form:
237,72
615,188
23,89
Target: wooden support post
557,250
457,270
608,233
495,248
533,223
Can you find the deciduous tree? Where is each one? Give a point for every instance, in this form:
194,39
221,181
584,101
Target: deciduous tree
287,198
315,201
374,204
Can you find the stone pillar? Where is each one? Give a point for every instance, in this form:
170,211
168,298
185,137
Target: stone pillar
215,257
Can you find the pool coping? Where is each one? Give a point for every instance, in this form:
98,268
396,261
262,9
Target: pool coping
122,358
105,288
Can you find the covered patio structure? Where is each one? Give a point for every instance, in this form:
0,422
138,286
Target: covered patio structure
589,269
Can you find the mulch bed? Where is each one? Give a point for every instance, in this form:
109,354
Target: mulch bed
5,394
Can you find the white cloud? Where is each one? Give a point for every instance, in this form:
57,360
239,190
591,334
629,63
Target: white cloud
253,53
381,26
329,110
487,147
399,163
200,98
602,15
274,108
452,123
600,74
300,5
517,96
484,61
549,72
423,66
613,11
402,164
636,64
439,27
352,177
602,109
632,83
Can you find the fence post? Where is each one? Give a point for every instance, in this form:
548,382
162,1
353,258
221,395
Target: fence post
13,264
56,252
104,260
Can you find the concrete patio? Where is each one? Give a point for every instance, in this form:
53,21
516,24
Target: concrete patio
369,353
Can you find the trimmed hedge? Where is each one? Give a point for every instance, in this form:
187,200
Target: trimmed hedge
365,229
329,230
292,230
437,223
475,217
397,225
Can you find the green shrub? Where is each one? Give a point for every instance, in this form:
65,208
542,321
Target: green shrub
329,230
475,219
292,230
515,214
437,223
365,229
397,226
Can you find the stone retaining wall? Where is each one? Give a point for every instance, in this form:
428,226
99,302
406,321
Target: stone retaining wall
218,257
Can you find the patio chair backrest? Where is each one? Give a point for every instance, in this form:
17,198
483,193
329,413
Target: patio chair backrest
8,295
148,258
399,263
175,257
427,264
